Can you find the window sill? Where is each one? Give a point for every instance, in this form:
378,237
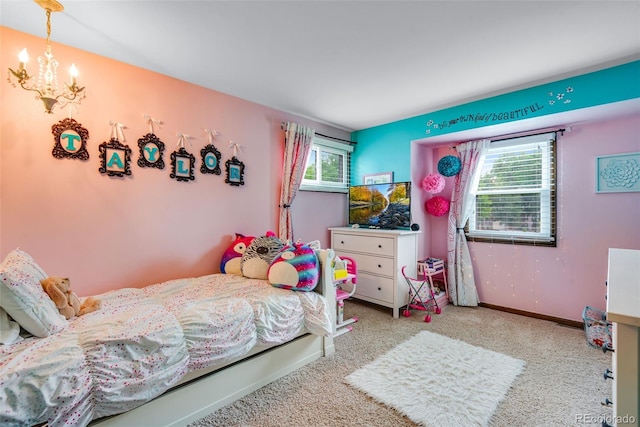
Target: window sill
323,189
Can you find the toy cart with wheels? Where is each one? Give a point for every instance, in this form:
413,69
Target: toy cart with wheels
416,301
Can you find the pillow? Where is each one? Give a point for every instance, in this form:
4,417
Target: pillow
22,296
296,267
230,263
257,258
9,330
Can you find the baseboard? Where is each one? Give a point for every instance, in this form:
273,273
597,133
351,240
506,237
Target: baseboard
559,320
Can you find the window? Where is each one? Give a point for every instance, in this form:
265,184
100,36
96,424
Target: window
515,192
327,167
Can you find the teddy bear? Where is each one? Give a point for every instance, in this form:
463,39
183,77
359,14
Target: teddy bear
67,302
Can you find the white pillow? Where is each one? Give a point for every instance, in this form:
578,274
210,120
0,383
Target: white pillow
9,330
22,296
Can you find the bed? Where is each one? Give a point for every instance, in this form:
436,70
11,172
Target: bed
166,354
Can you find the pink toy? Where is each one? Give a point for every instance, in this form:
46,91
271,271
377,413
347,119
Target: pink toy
415,299
343,326
296,267
230,263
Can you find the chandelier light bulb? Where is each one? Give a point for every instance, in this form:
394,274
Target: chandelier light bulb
23,57
74,73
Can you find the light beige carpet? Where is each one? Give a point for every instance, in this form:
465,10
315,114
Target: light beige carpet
562,380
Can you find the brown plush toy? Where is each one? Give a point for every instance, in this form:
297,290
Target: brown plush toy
67,302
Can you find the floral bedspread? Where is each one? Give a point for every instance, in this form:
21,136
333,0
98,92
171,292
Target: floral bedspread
143,341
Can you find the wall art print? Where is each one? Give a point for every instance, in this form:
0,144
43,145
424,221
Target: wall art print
151,152
210,160
182,164
378,178
115,158
235,172
618,173
70,140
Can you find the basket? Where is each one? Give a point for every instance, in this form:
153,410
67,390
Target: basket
597,328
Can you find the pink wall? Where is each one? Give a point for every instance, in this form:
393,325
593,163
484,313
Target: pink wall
107,233
559,281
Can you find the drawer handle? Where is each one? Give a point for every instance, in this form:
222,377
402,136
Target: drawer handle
379,266
342,242
607,374
379,288
380,246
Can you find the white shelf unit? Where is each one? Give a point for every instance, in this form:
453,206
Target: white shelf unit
380,256
623,310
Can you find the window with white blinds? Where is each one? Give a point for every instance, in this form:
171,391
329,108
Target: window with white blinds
327,167
515,192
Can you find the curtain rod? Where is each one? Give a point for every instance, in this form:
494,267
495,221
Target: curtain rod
539,132
523,134
283,126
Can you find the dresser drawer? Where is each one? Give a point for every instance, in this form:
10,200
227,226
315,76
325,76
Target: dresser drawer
376,287
368,244
371,264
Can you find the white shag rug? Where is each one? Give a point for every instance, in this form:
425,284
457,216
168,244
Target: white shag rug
438,381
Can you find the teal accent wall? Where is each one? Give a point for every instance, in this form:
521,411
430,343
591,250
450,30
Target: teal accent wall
387,147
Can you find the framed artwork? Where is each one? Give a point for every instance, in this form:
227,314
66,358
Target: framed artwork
235,172
115,158
378,178
151,152
70,140
182,163
210,160
618,173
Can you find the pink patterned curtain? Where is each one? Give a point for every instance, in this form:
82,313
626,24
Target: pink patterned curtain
462,285
297,140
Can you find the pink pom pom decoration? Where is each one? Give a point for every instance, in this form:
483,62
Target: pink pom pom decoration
433,183
437,206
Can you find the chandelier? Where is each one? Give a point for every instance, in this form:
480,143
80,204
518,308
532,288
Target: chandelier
46,85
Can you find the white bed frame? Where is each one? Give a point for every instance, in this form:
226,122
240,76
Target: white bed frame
200,393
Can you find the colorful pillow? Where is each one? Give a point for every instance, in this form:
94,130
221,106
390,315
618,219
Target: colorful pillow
230,263
296,267
22,296
256,259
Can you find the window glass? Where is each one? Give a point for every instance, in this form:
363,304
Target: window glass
327,167
515,193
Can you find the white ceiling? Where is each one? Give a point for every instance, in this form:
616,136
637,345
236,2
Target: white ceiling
350,64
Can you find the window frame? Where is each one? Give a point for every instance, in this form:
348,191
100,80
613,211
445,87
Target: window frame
548,191
321,145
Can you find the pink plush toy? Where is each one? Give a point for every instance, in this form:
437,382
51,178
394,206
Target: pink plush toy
230,263
296,267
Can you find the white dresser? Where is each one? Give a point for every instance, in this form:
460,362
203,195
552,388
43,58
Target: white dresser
623,310
380,256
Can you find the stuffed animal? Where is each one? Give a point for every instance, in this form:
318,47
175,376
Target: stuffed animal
67,302
256,259
296,267
230,263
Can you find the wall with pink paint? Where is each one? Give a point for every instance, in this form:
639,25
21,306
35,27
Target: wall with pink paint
558,281
107,232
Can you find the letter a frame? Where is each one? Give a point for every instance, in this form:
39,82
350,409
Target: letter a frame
115,158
